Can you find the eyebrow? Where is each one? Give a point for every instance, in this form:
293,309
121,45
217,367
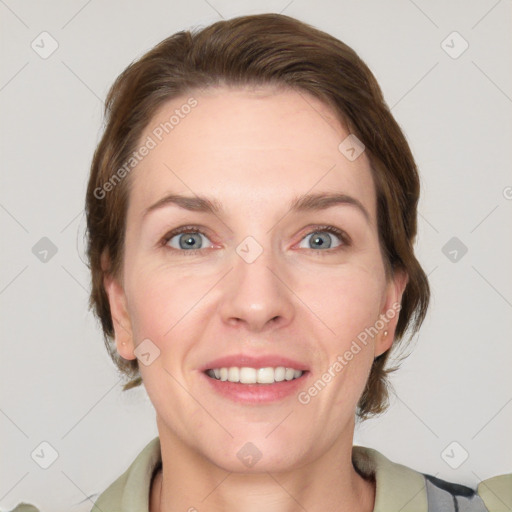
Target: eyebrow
305,203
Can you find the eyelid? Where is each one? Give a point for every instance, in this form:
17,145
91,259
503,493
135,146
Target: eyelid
333,230
184,229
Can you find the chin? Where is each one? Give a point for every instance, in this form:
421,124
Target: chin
249,455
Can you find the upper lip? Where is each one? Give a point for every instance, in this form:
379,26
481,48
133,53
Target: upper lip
263,361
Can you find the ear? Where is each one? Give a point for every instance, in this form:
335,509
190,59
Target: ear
119,311
390,311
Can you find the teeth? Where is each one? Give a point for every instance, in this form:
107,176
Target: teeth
279,374
234,374
289,374
246,375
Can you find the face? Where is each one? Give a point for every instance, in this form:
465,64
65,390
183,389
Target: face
257,283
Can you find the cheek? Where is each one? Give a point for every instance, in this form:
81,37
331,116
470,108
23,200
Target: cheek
160,298
348,303
348,300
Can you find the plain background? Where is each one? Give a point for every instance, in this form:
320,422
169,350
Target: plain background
58,384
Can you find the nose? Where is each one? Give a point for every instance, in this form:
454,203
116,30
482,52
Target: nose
256,295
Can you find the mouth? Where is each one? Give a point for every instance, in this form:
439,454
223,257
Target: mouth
247,375
254,379
246,385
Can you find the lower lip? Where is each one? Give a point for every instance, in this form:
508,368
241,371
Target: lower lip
256,393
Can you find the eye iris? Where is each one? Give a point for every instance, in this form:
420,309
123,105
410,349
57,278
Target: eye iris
316,238
189,240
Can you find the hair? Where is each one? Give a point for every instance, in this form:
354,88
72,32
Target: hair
258,50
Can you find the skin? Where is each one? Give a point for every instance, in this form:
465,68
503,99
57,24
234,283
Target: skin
253,150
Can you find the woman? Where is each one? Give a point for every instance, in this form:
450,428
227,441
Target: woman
251,216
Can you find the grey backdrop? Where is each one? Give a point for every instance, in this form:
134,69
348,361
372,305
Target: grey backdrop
452,414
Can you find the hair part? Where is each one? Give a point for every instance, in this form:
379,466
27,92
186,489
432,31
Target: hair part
258,50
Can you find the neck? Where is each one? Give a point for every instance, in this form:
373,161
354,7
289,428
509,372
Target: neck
189,482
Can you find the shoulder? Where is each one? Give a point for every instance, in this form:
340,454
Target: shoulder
399,487
497,492
130,492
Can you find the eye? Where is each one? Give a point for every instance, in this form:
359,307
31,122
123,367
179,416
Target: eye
185,239
321,238
190,240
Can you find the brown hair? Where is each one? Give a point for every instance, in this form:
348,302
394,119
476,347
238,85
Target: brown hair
265,49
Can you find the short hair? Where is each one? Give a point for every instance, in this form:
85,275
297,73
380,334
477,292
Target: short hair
260,50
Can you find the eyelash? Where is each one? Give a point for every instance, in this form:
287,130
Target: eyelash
345,239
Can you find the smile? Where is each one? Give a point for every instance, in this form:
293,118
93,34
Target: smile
247,375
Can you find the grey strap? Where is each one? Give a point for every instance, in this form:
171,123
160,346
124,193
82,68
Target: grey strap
443,496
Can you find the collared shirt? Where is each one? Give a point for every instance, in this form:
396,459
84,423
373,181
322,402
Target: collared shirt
398,487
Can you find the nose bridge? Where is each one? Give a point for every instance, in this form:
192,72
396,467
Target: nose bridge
256,295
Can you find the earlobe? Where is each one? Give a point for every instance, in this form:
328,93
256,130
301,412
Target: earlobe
120,317
391,311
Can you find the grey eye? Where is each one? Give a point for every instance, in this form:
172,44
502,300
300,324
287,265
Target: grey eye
320,240
188,240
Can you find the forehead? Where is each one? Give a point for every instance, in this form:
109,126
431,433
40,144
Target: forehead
247,147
